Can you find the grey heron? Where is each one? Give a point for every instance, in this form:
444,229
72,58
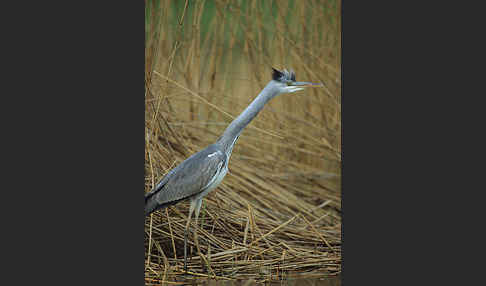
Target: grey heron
202,172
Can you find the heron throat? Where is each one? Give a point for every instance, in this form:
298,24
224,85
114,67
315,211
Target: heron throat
233,131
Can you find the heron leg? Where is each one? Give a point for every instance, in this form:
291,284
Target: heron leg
196,239
191,210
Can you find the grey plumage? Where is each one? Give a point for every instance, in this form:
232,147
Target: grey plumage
202,172
187,180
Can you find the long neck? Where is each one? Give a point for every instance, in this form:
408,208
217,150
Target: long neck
230,135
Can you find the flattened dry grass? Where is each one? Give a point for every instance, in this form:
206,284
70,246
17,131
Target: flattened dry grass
276,215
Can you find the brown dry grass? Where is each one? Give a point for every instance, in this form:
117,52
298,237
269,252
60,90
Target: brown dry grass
277,213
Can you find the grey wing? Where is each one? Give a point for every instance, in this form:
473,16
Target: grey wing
189,178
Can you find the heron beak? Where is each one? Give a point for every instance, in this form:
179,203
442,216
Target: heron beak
307,84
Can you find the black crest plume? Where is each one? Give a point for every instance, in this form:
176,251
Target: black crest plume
283,76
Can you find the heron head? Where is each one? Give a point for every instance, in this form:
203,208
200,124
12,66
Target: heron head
286,83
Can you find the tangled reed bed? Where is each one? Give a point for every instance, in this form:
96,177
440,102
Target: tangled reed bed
245,243
257,224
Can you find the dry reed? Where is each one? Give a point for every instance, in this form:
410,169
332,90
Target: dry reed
276,215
